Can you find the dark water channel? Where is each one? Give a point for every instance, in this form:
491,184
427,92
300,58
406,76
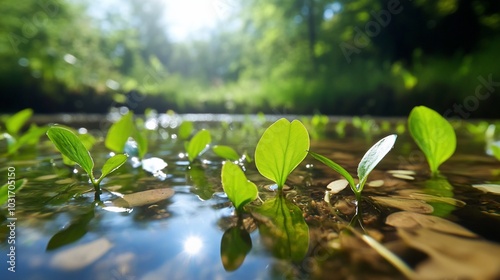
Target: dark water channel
60,233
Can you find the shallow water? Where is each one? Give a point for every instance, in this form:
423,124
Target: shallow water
62,234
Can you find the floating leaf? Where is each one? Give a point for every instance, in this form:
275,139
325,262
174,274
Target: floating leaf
226,152
433,134
119,133
4,190
80,256
412,205
412,220
282,147
14,123
238,189
185,130
144,198
452,257
492,188
283,228
337,186
234,247
70,145
372,157
112,164
198,144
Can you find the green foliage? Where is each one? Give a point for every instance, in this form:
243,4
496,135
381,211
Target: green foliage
119,133
15,188
282,147
369,161
141,137
238,189
14,123
185,130
496,151
226,152
72,147
372,157
433,134
198,144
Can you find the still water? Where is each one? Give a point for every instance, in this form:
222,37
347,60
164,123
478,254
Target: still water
61,233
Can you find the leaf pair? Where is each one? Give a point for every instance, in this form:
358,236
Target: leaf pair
70,146
371,158
282,147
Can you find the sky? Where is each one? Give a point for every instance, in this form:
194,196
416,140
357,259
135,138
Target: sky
190,18
185,19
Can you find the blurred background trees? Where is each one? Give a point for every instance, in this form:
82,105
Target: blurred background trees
302,56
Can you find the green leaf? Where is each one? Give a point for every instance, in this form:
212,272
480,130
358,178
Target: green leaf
70,145
433,134
238,189
372,157
283,222
496,151
112,164
87,140
282,147
4,190
185,130
29,138
335,167
226,152
198,144
119,133
234,247
17,121
142,142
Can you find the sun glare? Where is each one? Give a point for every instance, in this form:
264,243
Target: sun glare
193,245
192,18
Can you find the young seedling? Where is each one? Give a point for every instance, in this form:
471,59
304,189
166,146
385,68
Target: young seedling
282,147
70,145
371,158
433,134
198,144
13,126
235,184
